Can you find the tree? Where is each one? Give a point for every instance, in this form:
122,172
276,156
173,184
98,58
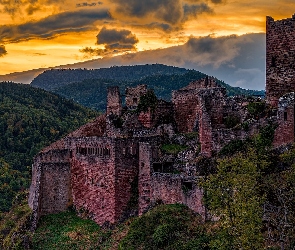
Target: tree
232,195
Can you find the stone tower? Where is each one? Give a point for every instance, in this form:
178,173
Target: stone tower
280,58
114,103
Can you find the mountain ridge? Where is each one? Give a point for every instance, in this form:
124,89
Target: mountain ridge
89,87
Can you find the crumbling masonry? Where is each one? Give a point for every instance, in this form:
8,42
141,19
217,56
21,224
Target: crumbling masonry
105,165
115,166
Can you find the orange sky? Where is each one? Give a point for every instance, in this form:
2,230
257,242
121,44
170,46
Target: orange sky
47,33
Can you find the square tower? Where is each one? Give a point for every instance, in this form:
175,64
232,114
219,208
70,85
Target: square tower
280,58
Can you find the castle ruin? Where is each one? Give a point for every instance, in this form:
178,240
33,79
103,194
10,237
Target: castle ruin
115,166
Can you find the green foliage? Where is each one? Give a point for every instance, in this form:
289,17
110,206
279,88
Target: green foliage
233,147
67,231
232,194
173,148
256,109
263,141
231,121
147,101
166,227
11,181
30,120
15,225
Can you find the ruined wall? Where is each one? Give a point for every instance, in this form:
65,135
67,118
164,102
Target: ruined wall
114,103
199,110
126,172
50,190
204,83
284,133
170,188
133,95
144,177
163,114
280,58
93,178
146,118
186,109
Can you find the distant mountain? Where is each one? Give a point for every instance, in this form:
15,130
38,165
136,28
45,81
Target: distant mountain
89,87
56,78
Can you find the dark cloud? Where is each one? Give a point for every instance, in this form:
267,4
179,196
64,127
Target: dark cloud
31,9
3,51
89,51
217,1
164,10
162,26
114,36
212,1
195,9
86,4
114,41
54,25
237,60
212,50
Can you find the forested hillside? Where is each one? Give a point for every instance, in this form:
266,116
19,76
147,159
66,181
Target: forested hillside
31,118
92,92
55,78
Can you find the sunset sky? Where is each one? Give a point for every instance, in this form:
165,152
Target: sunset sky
45,33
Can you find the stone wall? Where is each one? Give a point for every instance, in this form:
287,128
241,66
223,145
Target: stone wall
114,103
186,108
200,109
284,133
50,187
280,58
93,178
171,188
126,172
133,95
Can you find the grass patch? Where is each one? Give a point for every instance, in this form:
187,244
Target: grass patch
67,231
173,148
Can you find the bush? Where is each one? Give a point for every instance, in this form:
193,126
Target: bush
231,121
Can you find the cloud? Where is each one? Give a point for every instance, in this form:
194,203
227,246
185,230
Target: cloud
237,60
215,51
114,36
195,9
53,25
114,41
90,52
85,4
165,10
3,51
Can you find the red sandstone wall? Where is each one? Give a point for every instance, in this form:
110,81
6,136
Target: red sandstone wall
55,193
284,133
145,118
126,170
93,180
144,177
133,95
280,58
114,104
186,109
168,188
205,133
